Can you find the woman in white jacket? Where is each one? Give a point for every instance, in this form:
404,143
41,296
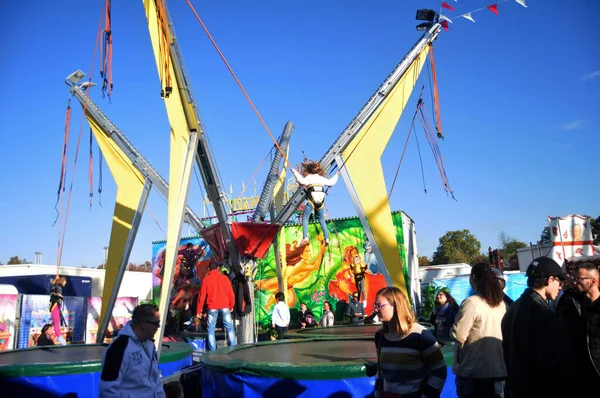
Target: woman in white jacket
314,181
328,318
478,356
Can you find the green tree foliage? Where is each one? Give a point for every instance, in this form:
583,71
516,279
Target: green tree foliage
480,258
545,237
17,260
508,248
456,247
424,261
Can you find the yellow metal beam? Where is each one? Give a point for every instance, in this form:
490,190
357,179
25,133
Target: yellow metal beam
182,122
130,183
362,159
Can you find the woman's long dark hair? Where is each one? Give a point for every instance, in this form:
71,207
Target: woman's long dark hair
487,285
45,328
451,300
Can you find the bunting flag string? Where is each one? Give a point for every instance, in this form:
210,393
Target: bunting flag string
445,18
447,6
468,15
493,8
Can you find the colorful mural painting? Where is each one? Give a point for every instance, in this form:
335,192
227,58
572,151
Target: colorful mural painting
315,272
190,269
35,313
8,313
120,316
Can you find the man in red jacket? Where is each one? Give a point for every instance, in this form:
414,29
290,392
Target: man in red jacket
217,293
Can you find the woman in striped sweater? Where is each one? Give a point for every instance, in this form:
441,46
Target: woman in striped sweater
409,358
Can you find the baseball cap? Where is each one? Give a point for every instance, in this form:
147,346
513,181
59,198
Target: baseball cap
544,267
500,274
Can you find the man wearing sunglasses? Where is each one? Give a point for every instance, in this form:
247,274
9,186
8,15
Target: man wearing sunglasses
579,313
130,363
532,342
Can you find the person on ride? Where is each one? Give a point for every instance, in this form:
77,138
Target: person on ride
409,360
189,257
56,302
313,179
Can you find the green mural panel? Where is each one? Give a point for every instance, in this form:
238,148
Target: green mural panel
318,273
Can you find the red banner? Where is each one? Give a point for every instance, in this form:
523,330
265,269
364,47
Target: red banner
447,6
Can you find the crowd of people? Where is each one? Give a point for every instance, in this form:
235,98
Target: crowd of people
546,343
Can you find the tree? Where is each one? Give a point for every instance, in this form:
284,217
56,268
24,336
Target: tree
545,236
508,250
424,261
480,258
17,260
456,247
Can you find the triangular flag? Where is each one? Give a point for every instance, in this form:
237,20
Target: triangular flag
444,25
448,6
522,2
493,8
445,18
469,17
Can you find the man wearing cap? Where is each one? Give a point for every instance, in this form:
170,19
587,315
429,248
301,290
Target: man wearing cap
502,280
532,341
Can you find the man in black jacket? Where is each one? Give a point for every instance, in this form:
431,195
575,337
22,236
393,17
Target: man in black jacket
532,341
579,313
355,310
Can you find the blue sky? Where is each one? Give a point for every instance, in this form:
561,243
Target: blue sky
519,101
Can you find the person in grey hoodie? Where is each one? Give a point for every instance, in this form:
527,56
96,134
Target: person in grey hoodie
130,363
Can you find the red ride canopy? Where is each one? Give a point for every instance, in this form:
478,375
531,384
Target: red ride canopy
251,239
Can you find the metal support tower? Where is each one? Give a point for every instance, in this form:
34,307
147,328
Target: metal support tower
328,161
122,142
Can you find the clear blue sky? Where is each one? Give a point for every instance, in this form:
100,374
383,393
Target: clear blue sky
519,100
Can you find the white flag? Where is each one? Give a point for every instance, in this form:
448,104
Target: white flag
571,237
445,18
521,2
469,17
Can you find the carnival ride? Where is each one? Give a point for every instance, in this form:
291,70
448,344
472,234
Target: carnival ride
353,156
356,158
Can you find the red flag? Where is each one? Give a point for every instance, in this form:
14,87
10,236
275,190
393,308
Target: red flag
444,25
493,8
448,6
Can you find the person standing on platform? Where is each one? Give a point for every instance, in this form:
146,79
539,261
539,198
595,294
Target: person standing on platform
328,319
281,315
130,363
218,295
356,311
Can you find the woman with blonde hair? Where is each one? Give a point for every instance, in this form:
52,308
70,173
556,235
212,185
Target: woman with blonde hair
478,357
409,360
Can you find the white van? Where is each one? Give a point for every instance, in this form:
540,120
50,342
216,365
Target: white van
442,271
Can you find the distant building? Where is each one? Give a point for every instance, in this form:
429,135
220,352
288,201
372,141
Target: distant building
135,284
